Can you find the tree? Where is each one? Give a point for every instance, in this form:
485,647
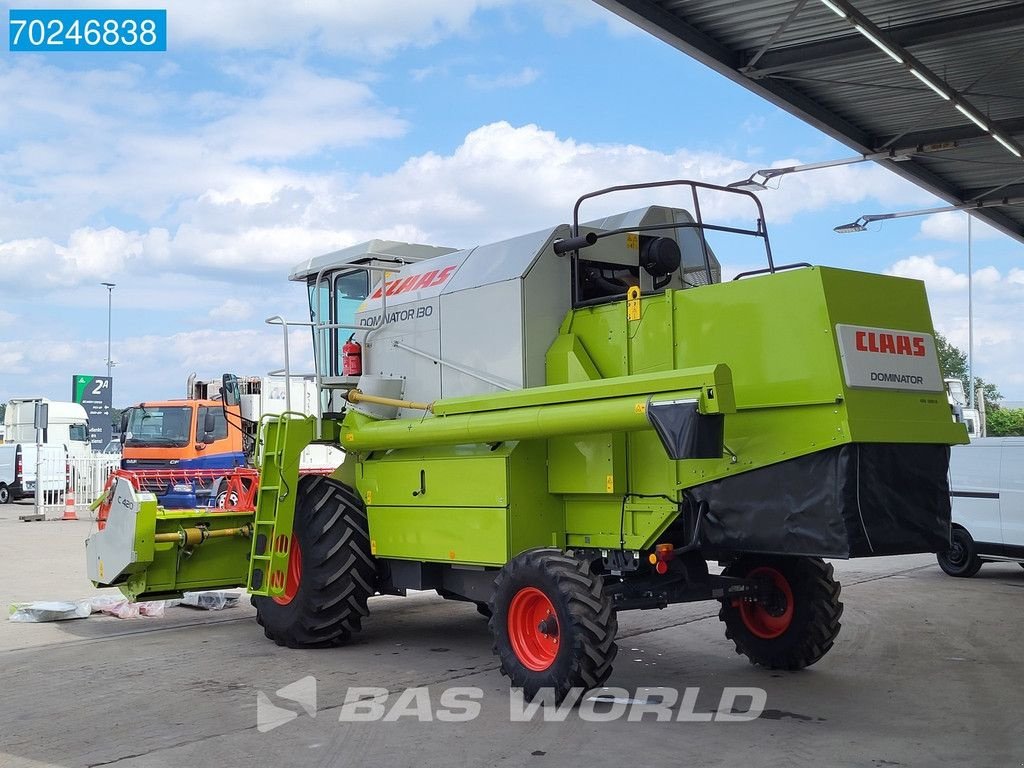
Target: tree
953,363
3,410
1004,422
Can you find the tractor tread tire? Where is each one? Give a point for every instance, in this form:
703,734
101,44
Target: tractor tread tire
338,572
585,615
815,624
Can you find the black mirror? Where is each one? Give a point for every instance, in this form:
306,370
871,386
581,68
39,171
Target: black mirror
230,394
124,423
209,423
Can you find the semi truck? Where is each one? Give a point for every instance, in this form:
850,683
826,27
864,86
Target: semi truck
68,424
571,423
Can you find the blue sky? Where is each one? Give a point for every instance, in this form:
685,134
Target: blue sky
269,132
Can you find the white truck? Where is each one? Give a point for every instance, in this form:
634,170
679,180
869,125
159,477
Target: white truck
68,424
268,395
987,490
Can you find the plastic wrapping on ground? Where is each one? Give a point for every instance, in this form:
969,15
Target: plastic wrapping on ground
115,605
49,610
210,601
856,500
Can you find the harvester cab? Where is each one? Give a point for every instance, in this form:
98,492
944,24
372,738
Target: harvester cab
569,423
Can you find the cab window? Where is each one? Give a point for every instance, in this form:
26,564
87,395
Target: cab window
220,425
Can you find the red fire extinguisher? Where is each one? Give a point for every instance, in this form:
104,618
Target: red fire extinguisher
352,357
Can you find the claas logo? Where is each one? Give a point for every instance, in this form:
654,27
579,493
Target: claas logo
891,343
416,282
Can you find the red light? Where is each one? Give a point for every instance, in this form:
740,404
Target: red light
661,567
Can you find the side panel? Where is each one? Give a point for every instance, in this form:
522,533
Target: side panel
975,489
482,330
1011,497
466,535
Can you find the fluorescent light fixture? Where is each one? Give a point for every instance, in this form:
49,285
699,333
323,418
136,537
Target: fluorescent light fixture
972,118
929,83
834,8
1006,144
881,46
853,226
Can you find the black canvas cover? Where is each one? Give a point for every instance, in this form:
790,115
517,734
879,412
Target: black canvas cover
854,500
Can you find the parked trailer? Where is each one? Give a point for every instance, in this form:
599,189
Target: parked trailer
570,424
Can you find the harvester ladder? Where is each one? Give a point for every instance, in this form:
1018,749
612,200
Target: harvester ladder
284,437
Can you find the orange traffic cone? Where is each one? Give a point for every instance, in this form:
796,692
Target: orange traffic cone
69,506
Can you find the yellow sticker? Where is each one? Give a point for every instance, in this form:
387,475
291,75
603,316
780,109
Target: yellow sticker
451,554
609,483
349,437
369,497
101,569
633,303
640,408
373,546
632,241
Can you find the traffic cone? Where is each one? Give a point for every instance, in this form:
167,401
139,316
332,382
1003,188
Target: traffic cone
69,506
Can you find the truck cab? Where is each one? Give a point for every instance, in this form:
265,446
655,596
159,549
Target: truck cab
181,434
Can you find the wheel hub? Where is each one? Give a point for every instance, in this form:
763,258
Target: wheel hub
533,630
769,617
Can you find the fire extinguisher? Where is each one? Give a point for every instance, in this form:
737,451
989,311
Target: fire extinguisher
352,357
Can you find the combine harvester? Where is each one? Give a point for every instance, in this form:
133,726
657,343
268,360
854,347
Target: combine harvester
569,424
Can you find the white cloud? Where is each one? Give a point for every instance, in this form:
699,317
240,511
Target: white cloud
937,277
519,79
232,310
998,323
952,227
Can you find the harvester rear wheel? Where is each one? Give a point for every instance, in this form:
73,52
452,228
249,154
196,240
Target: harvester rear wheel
793,631
332,572
552,624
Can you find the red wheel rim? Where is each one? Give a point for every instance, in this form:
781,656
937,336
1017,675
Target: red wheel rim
758,619
294,577
533,629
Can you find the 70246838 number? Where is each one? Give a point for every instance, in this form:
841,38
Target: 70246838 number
88,30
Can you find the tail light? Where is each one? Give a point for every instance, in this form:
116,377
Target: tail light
17,465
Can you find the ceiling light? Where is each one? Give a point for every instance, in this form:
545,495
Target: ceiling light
972,118
835,8
748,184
929,83
882,46
853,226
1006,144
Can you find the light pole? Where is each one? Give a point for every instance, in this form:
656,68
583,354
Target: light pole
110,304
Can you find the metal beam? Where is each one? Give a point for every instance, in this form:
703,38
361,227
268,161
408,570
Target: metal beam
960,132
919,33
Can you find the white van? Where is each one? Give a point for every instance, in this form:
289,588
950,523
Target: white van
987,490
18,471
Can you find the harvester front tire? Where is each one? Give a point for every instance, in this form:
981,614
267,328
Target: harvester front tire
961,559
336,572
552,624
799,631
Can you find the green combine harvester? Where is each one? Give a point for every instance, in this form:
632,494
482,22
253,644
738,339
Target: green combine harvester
569,424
